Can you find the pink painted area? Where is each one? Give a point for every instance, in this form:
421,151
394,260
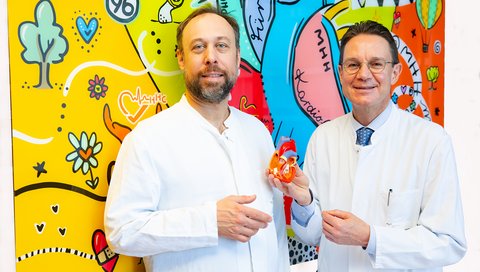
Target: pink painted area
313,75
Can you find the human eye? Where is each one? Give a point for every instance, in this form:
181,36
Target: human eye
198,47
351,65
377,64
222,46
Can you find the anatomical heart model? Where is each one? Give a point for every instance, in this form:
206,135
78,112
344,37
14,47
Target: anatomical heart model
284,160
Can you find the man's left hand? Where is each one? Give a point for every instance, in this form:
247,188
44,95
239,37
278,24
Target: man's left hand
344,228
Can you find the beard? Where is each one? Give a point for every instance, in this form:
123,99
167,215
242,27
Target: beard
210,92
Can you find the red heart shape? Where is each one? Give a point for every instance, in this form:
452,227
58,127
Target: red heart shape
105,257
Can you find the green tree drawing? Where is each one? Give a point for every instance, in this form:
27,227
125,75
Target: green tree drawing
43,41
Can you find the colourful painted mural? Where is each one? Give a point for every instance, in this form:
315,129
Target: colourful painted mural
84,73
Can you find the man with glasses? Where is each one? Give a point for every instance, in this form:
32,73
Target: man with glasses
379,188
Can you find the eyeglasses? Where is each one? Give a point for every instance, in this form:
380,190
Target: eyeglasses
375,66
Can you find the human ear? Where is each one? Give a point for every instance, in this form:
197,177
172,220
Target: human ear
180,59
396,71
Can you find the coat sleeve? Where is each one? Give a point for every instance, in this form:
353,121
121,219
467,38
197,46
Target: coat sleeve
133,224
312,231
438,238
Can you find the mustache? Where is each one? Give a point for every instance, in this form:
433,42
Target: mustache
212,68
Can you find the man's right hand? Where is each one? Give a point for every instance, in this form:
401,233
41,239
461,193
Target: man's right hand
297,189
237,221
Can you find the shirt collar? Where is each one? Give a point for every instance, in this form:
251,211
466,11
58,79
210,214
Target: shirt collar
228,122
377,122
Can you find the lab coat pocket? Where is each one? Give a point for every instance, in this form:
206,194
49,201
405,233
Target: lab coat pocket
402,208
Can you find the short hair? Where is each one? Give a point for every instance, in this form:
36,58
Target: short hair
371,28
204,10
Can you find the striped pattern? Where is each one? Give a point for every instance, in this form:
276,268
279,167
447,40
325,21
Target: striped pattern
56,250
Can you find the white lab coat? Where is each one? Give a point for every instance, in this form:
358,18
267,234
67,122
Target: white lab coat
170,171
419,227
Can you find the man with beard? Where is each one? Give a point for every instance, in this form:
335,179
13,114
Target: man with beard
188,192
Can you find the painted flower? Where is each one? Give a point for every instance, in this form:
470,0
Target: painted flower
97,87
85,150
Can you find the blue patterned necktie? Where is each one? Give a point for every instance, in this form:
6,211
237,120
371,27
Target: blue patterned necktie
363,136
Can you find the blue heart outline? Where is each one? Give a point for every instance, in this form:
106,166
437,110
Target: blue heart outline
87,31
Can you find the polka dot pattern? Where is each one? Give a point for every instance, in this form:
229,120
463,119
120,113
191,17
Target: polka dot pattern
300,252
363,136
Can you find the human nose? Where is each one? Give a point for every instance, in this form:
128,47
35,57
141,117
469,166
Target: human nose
364,70
210,55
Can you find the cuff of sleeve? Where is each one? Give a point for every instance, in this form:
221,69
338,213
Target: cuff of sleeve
211,226
372,242
302,214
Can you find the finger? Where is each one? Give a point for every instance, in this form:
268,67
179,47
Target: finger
240,237
339,213
270,178
246,231
241,233
256,215
329,237
332,221
281,186
244,199
327,217
270,181
278,184
327,227
254,224
330,232
298,171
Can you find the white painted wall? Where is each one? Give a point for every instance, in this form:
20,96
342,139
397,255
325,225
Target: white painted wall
7,242
462,121
462,115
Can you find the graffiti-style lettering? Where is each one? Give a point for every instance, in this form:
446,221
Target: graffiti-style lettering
223,6
409,58
311,110
145,99
256,24
417,87
322,49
